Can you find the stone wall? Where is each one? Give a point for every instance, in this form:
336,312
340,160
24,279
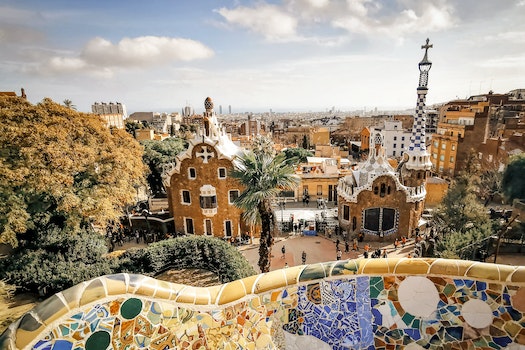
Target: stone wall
353,304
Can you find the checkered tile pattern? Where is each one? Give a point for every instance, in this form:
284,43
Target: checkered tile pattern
417,140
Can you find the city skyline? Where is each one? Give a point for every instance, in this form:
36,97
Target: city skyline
259,55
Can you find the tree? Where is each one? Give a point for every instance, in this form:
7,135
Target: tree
263,177
61,167
156,155
69,104
297,155
513,182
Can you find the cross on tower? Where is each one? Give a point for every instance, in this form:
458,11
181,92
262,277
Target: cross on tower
205,154
427,46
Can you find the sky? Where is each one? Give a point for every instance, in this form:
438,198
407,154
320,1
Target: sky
289,55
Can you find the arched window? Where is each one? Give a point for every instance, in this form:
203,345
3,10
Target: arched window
383,190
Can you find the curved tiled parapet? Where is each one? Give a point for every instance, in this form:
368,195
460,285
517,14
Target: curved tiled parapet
351,304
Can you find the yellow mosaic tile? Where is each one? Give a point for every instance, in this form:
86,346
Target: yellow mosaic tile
271,280
518,275
164,290
292,274
187,295
376,266
147,287
448,267
505,271
412,266
213,293
202,296
72,295
29,330
115,284
51,309
483,271
93,292
232,291
249,283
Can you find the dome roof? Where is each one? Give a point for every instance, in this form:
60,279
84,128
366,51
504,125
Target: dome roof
208,103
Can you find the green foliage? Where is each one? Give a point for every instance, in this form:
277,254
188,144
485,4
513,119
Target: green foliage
53,260
463,245
202,252
513,182
159,153
59,165
460,208
6,291
297,155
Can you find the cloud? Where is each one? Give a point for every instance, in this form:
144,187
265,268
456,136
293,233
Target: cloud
290,20
270,21
102,57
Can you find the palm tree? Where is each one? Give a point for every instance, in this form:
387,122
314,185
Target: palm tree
69,104
263,177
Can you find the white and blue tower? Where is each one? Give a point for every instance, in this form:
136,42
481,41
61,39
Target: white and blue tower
417,159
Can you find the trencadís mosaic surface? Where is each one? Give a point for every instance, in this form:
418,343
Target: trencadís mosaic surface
355,304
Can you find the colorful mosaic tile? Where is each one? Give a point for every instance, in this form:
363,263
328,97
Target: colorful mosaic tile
329,306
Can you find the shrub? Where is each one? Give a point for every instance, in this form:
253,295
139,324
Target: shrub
54,260
207,253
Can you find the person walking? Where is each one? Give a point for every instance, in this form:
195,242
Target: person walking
303,257
385,255
355,246
339,254
347,247
283,250
403,241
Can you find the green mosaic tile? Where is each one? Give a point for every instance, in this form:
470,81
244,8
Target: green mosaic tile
98,341
407,318
312,272
449,290
131,308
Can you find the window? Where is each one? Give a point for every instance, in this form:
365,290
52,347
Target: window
402,138
383,190
402,145
346,212
380,219
228,228
436,144
188,223
186,199
443,146
222,173
394,153
434,155
354,223
453,147
232,196
452,159
192,173
208,202
442,157
207,227
395,138
319,190
376,190
394,145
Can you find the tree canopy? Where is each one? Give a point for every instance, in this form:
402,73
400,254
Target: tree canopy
61,167
157,154
513,182
297,155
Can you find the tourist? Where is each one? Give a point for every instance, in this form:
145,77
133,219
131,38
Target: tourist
385,255
303,257
283,250
339,254
347,247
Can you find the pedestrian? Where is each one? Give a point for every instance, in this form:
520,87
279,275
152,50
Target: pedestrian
385,255
409,255
355,246
303,257
396,244
283,250
337,244
137,236
347,247
339,254
285,265
307,199
367,248
403,241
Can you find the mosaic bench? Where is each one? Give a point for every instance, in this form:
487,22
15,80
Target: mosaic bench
351,304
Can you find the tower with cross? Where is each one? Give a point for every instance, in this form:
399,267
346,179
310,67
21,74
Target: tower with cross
417,159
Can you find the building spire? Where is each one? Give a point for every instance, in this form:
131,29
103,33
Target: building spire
418,158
